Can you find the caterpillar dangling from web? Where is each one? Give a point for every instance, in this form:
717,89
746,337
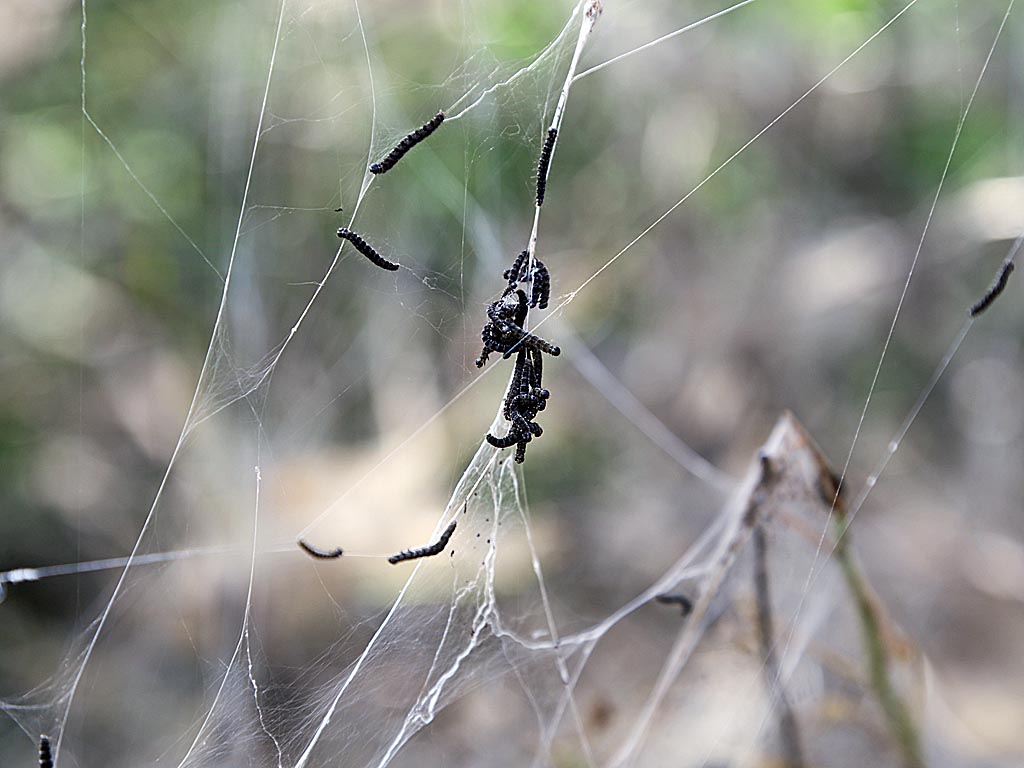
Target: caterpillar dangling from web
406,144
366,249
429,551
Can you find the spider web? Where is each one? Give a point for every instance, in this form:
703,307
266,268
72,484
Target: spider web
339,405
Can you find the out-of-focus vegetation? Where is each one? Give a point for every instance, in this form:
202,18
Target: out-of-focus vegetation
772,287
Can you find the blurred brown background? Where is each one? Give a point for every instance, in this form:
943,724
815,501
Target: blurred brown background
773,287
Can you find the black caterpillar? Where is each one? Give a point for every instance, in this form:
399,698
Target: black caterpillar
366,249
514,273
541,285
541,278
429,551
994,291
503,442
543,163
524,400
406,144
504,332
684,603
45,758
321,554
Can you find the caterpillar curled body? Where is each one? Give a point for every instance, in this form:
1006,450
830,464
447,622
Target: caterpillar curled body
366,249
410,141
540,276
544,163
529,340
45,757
429,551
993,293
684,603
514,273
503,442
321,554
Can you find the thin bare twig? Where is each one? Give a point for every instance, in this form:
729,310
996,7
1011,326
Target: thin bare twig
789,730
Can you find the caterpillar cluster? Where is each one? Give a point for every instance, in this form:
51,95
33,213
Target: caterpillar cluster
429,551
525,399
538,276
366,249
506,332
410,141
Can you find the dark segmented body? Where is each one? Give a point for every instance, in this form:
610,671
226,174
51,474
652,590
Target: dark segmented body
993,293
527,339
45,758
502,442
504,333
429,551
539,276
525,399
406,144
514,273
366,249
543,163
684,603
321,554
541,285
520,452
